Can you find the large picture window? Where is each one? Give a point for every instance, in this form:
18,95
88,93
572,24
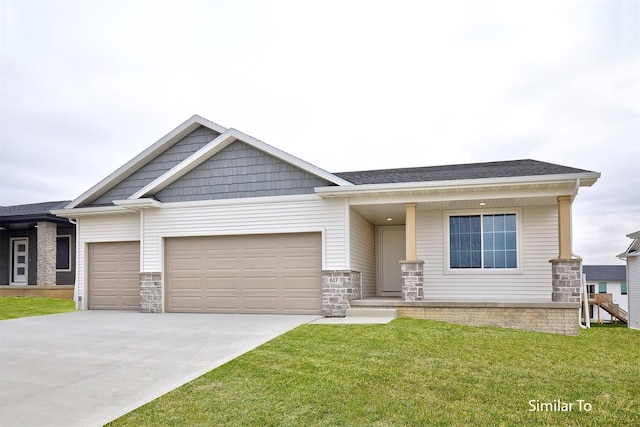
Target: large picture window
483,241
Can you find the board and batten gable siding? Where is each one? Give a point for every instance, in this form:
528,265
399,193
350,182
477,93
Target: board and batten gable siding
633,290
103,228
538,243
240,171
158,166
363,252
248,216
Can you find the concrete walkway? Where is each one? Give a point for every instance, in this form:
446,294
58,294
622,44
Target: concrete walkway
87,368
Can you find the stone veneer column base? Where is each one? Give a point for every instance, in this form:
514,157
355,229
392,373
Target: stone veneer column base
338,288
412,280
151,292
565,280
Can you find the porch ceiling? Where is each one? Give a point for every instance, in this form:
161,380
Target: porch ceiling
394,213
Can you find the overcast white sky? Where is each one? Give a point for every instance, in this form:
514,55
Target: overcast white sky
345,85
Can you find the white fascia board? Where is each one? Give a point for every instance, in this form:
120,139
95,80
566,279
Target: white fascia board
586,179
147,155
217,145
92,211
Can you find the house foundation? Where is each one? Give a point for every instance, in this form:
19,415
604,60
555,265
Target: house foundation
550,317
338,288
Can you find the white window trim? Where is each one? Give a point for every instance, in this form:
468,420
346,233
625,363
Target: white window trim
66,270
482,270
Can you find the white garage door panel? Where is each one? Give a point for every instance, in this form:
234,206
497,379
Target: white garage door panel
113,276
278,273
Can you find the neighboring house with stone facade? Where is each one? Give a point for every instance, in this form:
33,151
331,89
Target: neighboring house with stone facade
209,219
37,251
632,257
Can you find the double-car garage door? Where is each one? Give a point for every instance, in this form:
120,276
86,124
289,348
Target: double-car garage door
275,273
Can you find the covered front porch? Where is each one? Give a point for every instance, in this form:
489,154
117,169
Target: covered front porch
401,255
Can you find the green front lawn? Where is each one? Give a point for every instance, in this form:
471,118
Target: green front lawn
14,307
414,372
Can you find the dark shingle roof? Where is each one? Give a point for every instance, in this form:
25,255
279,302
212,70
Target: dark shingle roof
605,273
511,168
33,209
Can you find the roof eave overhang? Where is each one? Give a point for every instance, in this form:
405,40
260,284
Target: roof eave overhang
22,219
372,190
138,204
91,211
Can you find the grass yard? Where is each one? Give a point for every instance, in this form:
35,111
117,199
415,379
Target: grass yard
14,307
416,373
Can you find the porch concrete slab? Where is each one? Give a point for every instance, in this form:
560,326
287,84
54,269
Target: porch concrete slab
87,368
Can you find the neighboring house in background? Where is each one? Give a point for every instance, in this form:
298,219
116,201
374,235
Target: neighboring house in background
631,255
37,251
209,219
610,280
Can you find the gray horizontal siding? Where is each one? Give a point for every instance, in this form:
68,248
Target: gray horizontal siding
158,166
240,171
68,277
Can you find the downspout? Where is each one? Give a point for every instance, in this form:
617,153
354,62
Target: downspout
583,282
75,285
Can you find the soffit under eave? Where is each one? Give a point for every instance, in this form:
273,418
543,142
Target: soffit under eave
379,214
520,193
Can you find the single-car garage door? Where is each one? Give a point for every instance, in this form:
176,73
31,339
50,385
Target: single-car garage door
113,276
275,273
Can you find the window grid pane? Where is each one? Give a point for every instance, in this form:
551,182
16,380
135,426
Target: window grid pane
500,249
465,242
483,241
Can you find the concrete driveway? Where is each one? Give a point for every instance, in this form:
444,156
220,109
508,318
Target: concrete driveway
87,368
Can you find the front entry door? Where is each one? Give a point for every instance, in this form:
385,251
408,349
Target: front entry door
391,250
19,260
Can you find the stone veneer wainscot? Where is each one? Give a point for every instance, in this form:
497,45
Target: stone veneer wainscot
338,288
